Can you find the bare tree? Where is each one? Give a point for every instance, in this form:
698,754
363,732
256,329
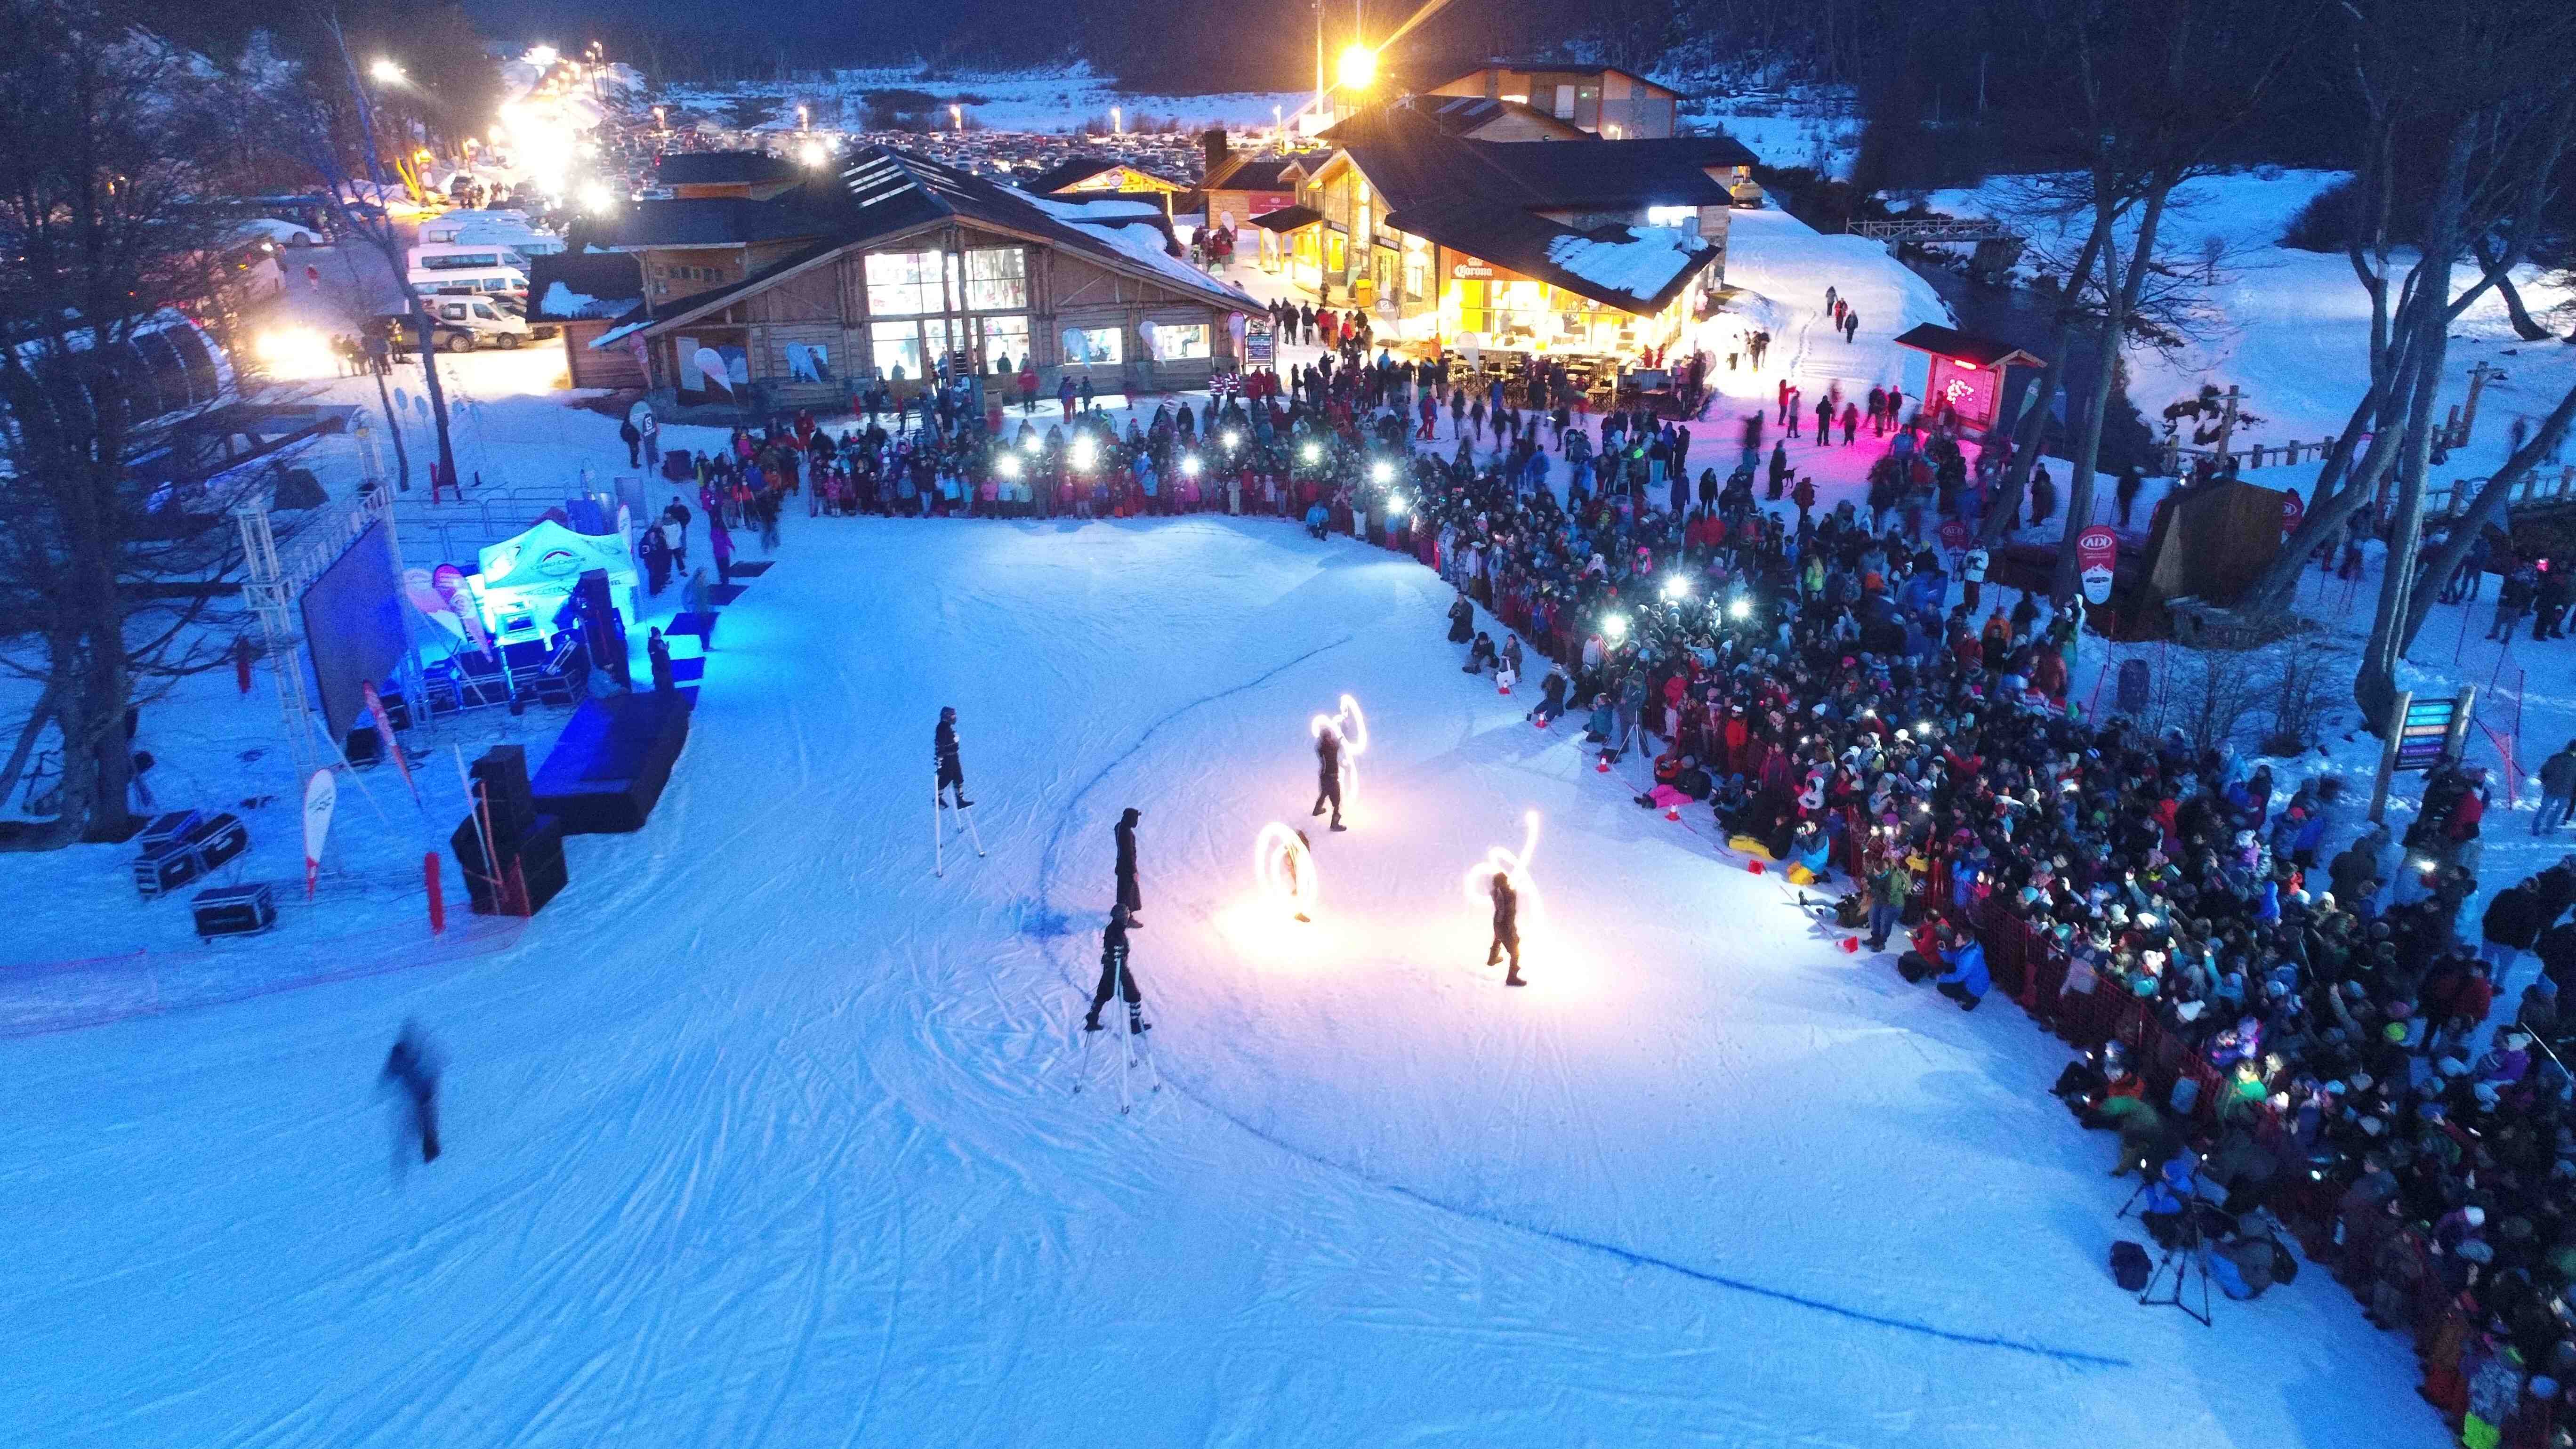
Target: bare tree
111,536
2477,86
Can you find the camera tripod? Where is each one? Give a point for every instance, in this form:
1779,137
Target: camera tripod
2187,1254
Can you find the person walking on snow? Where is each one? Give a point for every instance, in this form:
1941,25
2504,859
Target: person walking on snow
1115,978
1328,774
1130,899
1507,929
413,1067
943,750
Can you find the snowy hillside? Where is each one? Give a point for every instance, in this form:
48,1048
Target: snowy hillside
2291,327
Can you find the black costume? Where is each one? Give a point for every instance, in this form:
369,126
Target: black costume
1462,621
1115,978
1328,775
943,746
1129,898
411,1066
1507,929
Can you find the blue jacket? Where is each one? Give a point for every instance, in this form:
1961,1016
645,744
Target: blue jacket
1968,969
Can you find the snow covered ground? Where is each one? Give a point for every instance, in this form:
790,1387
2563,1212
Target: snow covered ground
1065,99
761,1135
2292,328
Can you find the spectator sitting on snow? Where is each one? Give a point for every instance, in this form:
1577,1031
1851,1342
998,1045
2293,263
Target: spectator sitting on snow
1480,654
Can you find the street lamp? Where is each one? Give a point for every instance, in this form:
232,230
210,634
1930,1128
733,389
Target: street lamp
386,71
1357,67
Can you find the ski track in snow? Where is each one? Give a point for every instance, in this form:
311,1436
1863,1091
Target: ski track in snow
1634,1259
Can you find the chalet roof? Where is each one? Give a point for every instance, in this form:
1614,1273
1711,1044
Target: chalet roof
1244,172
1405,154
705,221
722,168
882,193
583,286
1635,269
1078,169
1558,67
1965,346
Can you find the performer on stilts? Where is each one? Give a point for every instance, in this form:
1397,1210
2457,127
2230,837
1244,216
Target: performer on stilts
943,745
1129,898
1115,978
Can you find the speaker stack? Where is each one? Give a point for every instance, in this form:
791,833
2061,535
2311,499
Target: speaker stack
524,868
601,627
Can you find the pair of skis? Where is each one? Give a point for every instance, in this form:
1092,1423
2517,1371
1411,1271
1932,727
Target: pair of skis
941,827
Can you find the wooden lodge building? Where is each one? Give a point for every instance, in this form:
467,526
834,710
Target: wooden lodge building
885,270
1484,221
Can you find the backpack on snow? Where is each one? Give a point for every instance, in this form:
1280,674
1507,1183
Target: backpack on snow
2130,1266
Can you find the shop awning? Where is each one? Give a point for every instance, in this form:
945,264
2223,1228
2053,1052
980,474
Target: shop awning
1287,218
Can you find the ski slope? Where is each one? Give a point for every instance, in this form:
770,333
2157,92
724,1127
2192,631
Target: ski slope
761,1136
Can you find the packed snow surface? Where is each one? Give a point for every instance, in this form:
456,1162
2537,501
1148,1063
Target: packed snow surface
761,1135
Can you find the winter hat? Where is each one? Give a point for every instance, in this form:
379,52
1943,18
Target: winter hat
1131,815
2394,1031
2475,1216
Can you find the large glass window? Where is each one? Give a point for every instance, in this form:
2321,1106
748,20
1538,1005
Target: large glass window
897,346
997,279
941,336
1092,347
902,284
1179,344
1005,337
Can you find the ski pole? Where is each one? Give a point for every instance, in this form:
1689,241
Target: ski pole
1127,1044
972,833
938,838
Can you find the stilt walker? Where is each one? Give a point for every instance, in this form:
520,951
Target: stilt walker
1117,981
951,775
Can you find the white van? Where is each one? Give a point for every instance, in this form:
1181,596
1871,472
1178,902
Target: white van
431,263
463,324
484,282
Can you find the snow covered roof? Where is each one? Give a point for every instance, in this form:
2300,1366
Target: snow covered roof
1642,262
884,193
1635,269
583,286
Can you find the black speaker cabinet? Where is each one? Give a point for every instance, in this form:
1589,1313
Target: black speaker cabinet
166,867
364,746
503,772
601,627
542,874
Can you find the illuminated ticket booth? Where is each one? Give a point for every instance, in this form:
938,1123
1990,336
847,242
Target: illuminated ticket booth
1968,374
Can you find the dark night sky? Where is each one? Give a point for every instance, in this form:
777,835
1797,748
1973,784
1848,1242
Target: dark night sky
1170,44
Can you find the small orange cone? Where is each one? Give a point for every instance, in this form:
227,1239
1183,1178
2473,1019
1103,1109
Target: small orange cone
1601,766
1754,866
1672,812
1851,945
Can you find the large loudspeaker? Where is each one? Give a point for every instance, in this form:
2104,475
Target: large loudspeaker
483,887
502,771
601,627
541,871
523,880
